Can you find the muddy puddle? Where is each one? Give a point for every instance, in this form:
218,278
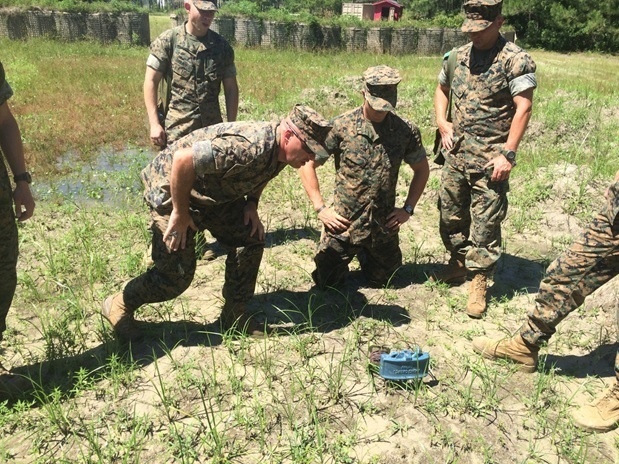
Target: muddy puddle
111,176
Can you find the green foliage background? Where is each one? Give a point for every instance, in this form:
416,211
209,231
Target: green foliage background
557,25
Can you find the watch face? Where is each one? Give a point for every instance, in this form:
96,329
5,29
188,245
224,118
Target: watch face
408,209
511,155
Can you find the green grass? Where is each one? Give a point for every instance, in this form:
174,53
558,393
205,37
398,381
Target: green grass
103,85
303,395
158,23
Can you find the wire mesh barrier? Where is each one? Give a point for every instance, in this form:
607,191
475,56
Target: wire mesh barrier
133,28
125,28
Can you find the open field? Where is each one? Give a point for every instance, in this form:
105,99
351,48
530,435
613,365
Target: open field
304,394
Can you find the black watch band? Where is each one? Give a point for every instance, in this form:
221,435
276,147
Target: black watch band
511,157
23,177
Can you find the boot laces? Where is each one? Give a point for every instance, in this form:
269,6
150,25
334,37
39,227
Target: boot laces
612,396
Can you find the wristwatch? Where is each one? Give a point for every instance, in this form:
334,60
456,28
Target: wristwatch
409,209
511,157
24,176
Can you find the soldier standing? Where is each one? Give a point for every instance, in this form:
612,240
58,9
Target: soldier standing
212,179
194,62
369,144
492,96
591,261
197,61
13,203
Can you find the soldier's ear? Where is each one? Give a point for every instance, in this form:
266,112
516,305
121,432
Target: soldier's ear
286,136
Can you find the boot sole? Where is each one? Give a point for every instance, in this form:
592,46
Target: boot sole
594,429
475,315
527,368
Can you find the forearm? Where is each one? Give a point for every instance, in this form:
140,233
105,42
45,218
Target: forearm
231,92
10,141
524,108
182,178
310,182
151,84
441,102
421,174
256,194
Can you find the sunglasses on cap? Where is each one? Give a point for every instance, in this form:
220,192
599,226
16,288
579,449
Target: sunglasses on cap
301,139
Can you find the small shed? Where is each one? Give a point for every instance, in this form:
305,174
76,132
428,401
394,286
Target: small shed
387,10
363,11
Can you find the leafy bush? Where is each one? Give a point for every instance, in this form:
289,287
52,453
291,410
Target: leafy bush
566,25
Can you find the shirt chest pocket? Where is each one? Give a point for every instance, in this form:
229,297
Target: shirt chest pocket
209,71
182,67
482,87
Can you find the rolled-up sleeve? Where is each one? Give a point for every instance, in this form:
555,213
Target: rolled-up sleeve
203,159
5,89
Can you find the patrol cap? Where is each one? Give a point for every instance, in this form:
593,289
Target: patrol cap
313,126
203,5
381,87
480,14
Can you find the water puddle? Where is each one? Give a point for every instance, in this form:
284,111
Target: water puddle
109,177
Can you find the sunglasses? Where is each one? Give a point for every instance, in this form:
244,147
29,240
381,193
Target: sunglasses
301,139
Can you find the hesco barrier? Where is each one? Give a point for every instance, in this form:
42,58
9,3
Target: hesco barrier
397,41
125,28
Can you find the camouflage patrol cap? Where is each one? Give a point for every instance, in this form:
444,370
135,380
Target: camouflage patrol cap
313,126
381,87
203,5
480,14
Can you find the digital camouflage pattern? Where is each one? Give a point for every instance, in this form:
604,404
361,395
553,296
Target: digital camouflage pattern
367,160
203,5
591,261
472,208
379,259
172,273
470,226
381,86
483,106
479,14
198,67
231,160
313,126
5,89
8,228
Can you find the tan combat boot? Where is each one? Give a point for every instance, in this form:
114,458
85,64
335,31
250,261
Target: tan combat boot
602,415
476,306
234,317
122,320
454,273
513,349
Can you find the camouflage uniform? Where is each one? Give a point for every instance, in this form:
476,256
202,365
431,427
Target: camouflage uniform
198,66
472,207
231,160
8,228
590,262
367,160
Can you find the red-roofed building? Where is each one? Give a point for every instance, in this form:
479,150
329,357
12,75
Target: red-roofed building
387,10
384,10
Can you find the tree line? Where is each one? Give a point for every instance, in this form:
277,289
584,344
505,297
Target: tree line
557,25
